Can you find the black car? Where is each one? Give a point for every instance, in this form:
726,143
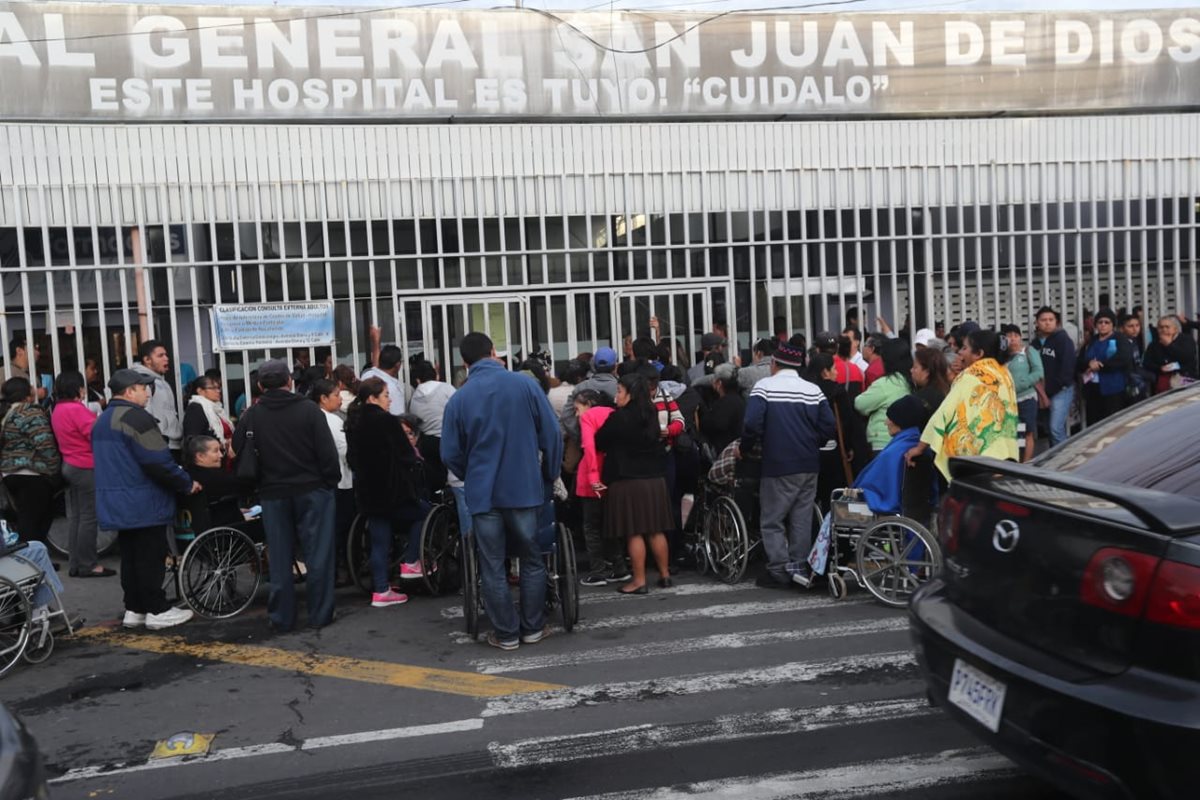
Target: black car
22,775
1064,628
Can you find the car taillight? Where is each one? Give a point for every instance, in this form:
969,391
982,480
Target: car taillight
1175,597
1118,580
949,516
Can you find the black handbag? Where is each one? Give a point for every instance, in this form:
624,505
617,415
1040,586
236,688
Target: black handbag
246,464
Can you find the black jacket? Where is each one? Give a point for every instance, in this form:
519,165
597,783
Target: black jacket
853,424
296,453
721,422
630,451
1182,350
1058,359
195,422
386,468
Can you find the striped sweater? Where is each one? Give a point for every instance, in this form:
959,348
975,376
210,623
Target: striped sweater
669,418
791,419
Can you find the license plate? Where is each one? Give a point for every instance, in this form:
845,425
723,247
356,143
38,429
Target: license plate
979,695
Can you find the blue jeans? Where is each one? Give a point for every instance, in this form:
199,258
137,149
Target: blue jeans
460,502
1060,412
411,514
308,518
497,532
36,554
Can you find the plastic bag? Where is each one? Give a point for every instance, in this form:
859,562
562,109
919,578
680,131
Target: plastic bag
819,555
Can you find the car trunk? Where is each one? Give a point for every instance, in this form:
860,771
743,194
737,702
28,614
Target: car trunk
1016,552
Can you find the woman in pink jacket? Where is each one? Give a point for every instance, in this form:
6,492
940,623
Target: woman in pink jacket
72,423
605,556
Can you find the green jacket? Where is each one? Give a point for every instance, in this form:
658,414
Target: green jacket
28,443
873,404
1026,370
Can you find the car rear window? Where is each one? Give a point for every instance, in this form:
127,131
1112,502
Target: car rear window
1154,445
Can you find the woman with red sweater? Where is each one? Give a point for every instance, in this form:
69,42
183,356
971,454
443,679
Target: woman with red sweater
72,423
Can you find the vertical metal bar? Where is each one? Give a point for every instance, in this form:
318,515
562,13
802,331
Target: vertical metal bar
943,203
97,276
787,261
892,207
351,294
189,216
51,302
26,305
994,212
69,218
118,229
910,310
401,320
168,268
823,300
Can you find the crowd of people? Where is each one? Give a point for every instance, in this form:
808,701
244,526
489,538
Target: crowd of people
625,439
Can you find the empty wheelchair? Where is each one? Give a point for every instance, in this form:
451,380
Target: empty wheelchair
562,584
889,555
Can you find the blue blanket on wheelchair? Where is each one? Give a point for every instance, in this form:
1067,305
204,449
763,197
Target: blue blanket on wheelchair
883,479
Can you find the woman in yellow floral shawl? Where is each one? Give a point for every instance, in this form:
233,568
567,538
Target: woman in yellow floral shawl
979,416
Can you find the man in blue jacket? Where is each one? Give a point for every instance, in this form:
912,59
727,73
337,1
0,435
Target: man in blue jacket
136,483
1058,359
792,420
500,434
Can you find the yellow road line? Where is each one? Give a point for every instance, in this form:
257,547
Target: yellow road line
429,679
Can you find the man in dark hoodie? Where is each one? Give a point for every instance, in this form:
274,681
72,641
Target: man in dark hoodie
1058,359
298,470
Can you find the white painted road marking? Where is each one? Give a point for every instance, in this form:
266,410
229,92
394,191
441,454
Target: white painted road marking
274,748
619,741
595,694
903,774
587,598
722,611
724,641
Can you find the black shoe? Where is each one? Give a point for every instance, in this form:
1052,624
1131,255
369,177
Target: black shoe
73,573
767,581
665,583
104,572
594,579
619,576
639,590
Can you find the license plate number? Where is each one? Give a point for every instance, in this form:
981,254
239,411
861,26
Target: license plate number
979,695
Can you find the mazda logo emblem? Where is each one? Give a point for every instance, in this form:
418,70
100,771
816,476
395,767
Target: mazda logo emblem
1006,535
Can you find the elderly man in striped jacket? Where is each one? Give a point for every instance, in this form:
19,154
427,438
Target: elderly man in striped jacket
791,419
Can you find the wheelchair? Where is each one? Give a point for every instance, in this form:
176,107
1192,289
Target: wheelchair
562,584
57,536
217,571
21,636
889,555
723,523
441,548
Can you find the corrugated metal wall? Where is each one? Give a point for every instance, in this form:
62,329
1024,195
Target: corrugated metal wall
581,232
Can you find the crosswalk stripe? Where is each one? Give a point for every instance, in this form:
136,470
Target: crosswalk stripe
724,641
591,598
634,738
905,774
721,611
678,686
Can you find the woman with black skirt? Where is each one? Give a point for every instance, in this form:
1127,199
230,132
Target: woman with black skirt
637,506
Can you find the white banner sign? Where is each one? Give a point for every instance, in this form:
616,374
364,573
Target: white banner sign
110,61
272,325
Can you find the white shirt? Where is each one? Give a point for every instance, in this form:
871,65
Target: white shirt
338,428
395,389
860,362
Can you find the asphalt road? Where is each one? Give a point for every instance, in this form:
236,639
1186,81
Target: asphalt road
703,690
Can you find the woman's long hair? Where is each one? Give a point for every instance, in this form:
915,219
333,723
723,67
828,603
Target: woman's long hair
897,359
68,386
640,405
14,391
934,362
371,387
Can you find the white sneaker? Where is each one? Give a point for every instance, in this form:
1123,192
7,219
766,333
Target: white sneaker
133,620
168,619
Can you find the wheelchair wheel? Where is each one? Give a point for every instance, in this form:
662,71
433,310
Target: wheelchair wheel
566,579
220,572
837,586
894,557
38,649
358,554
471,595
726,540
15,614
171,581
441,548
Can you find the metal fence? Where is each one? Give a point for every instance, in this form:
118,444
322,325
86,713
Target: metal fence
564,238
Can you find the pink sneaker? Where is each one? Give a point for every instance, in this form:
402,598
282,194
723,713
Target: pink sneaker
389,598
413,570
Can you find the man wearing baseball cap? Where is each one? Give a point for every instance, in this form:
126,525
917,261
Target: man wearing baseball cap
136,483
603,380
791,419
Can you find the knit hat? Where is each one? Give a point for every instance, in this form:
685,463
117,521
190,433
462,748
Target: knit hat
1105,313
908,412
788,356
